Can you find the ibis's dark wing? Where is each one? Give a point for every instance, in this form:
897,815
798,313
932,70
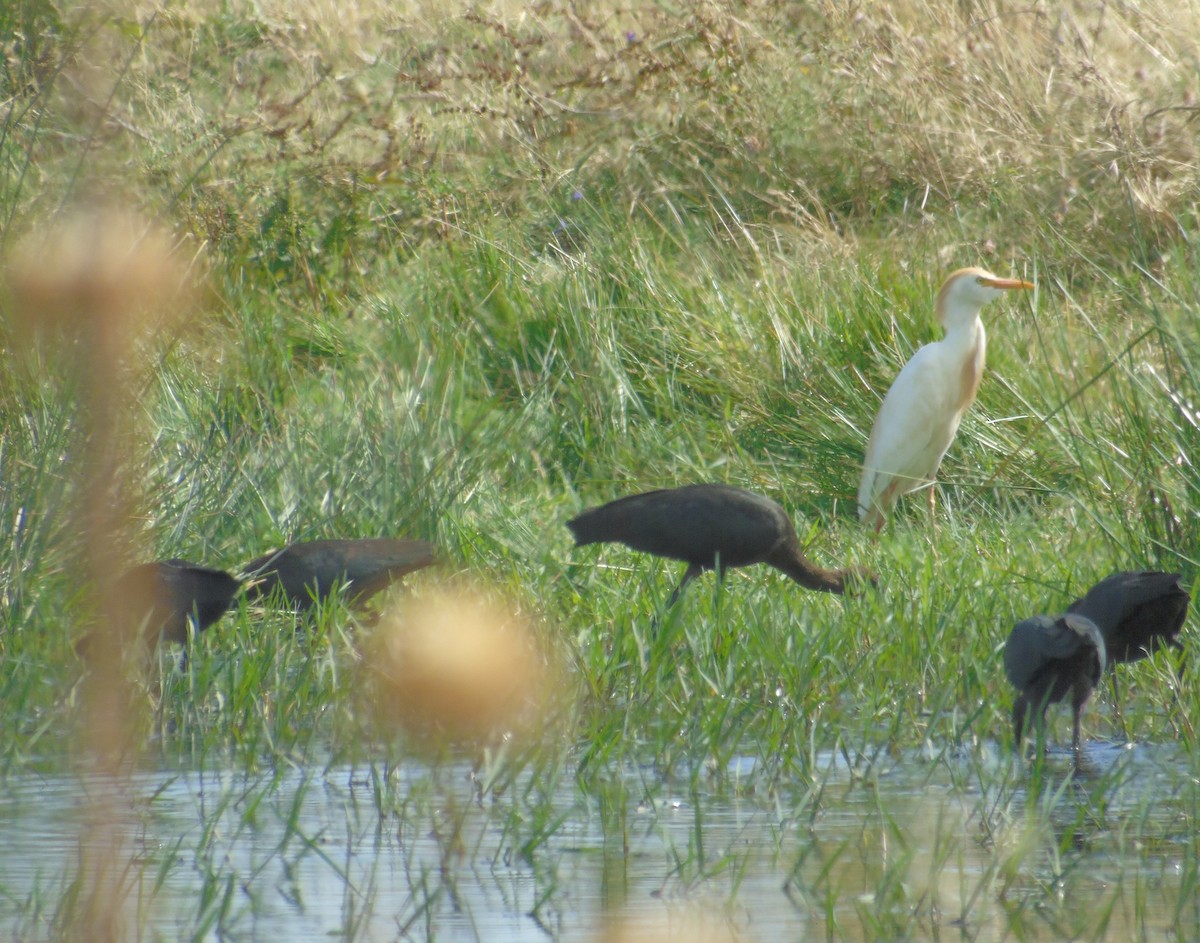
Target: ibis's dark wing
1035,643
1136,611
158,599
189,587
313,569
694,523
1112,599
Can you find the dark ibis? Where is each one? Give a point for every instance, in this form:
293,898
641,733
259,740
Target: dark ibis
1048,658
309,571
710,527
1137,612
161,600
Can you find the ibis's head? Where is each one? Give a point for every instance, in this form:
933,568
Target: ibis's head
968,290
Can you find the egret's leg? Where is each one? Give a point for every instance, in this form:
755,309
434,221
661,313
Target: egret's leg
933,525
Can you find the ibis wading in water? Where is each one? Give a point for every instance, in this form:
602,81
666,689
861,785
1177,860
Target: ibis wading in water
1047,659
309,571
710,527
921,412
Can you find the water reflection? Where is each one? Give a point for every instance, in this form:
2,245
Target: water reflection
970,846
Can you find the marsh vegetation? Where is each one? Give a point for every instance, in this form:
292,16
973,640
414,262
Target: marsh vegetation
458,272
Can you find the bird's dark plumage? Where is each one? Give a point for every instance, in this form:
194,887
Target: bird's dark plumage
709,527
1137,612
1047,659
310,570
160,599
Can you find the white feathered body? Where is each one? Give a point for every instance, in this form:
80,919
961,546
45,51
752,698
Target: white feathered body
919,418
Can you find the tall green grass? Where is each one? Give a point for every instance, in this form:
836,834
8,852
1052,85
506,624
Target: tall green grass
472,271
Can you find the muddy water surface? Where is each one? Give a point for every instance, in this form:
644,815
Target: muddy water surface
917,847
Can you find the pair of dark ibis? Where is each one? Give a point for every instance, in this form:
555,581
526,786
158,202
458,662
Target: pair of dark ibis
1123,618
711,527
166,599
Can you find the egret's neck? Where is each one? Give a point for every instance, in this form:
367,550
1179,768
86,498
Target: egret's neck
967,342
962,325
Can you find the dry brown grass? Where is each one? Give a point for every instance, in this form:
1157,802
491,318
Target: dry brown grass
421,121
1069,103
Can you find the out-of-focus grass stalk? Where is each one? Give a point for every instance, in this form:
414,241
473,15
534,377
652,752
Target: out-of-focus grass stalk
88,284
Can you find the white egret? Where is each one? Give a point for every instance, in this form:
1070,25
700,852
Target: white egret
921,412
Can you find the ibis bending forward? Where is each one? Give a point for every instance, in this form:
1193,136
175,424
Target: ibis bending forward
921,412
710,527
1137,612
1048,658
309,571
161,600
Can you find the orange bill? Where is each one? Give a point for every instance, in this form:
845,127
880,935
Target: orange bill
1005,283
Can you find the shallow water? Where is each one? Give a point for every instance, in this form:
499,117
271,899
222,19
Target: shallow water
962,847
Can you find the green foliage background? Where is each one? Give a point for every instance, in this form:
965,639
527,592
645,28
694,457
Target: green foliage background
472,270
